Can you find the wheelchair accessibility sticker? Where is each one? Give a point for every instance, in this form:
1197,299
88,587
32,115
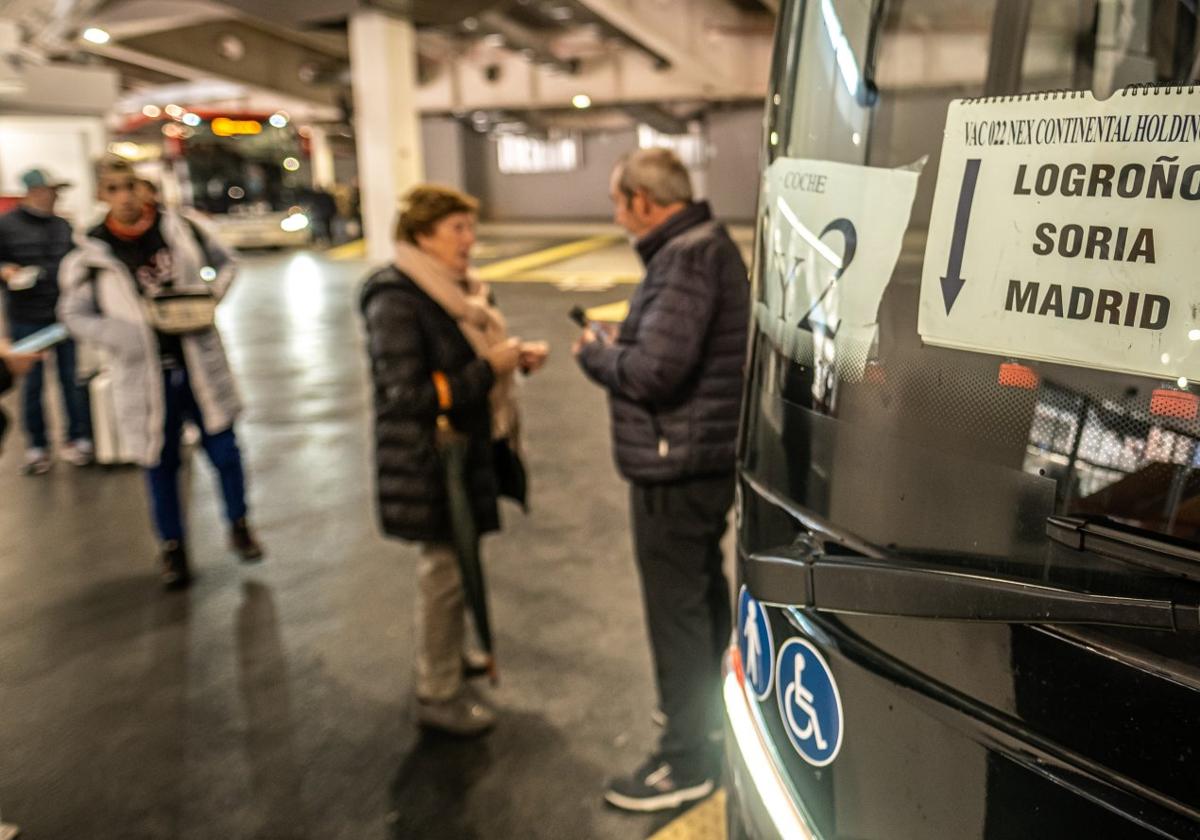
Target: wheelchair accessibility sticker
809,702
755,644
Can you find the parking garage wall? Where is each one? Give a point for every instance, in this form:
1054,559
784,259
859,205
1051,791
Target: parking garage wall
578,195
462,158
445,159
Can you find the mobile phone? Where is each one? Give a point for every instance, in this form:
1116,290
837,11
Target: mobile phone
579,316
41,340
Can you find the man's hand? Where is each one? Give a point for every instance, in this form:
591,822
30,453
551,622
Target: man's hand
8,271
586,337
20,364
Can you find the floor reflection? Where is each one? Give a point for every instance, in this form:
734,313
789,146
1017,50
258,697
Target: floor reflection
275,772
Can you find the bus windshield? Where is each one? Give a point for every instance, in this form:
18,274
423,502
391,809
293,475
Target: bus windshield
946,355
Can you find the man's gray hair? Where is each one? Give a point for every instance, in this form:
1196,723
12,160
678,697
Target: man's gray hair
657,172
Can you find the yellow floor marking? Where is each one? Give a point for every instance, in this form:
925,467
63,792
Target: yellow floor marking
578,278
506,270
355,250
704,822
528,268
609,313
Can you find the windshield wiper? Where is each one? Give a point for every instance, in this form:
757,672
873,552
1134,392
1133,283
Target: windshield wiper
799,575
1102,536
864,579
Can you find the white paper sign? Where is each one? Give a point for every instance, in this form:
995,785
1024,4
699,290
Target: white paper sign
834,232
1068,230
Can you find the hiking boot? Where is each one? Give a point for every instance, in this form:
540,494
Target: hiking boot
658,786
37,461
80,453
175,571
462,715
241,540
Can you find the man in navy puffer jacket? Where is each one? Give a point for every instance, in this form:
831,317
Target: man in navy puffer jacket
674,377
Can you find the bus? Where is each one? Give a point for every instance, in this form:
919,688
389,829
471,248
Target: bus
246,171
968,518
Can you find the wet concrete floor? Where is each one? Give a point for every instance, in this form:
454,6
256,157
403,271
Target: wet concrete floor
274,701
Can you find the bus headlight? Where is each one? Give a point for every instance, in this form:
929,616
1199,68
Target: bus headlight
294,223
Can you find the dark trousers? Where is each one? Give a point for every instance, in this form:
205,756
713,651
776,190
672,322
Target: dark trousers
222,451
74,395
677,530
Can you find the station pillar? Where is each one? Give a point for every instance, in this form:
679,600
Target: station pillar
387,127
321,152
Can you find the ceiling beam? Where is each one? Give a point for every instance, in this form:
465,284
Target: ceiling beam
267,61
685,33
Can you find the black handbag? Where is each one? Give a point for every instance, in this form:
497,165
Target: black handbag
511,479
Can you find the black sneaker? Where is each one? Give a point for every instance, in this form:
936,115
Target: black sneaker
175,572
241,540
657,786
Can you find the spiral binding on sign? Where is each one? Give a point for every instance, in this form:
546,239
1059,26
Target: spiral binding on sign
1153,89
1138,89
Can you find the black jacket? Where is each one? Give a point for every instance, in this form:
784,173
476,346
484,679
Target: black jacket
29,239
674,375
409,337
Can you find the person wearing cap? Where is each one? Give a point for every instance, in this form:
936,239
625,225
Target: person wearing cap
33,242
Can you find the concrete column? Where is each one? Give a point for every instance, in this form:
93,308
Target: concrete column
322,158
383,67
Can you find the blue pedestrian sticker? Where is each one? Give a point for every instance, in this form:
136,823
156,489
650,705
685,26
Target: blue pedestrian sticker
755,644
809,703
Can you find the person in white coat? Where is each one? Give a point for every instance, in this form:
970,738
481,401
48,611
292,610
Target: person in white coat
113,286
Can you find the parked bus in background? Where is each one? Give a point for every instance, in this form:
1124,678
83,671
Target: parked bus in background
247,171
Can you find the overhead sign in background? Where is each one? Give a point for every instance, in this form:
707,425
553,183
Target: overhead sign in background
1066,229
834,232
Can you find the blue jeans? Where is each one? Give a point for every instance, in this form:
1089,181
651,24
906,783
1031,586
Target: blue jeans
75,398
222,451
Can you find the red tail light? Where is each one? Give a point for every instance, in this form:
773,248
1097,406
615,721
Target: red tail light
1181,405
1018,376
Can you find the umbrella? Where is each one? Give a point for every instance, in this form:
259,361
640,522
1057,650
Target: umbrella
464,536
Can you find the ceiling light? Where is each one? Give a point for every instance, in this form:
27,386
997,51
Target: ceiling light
152,111
174,111
291,164
192,119
581,101
95,35
279,119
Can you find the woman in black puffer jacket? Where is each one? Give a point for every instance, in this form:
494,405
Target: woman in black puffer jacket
438,346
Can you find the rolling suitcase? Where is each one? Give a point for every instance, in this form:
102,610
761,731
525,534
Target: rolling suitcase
106,433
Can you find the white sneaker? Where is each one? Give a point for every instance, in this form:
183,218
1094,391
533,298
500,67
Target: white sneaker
37,461
78,452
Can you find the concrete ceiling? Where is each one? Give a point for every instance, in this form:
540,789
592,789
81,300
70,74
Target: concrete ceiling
493,55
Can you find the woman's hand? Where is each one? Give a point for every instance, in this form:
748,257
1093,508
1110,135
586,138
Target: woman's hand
533,356
505,357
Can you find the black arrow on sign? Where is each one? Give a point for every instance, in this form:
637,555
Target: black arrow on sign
953,282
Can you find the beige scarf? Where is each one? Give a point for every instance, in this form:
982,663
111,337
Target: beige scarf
465,299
